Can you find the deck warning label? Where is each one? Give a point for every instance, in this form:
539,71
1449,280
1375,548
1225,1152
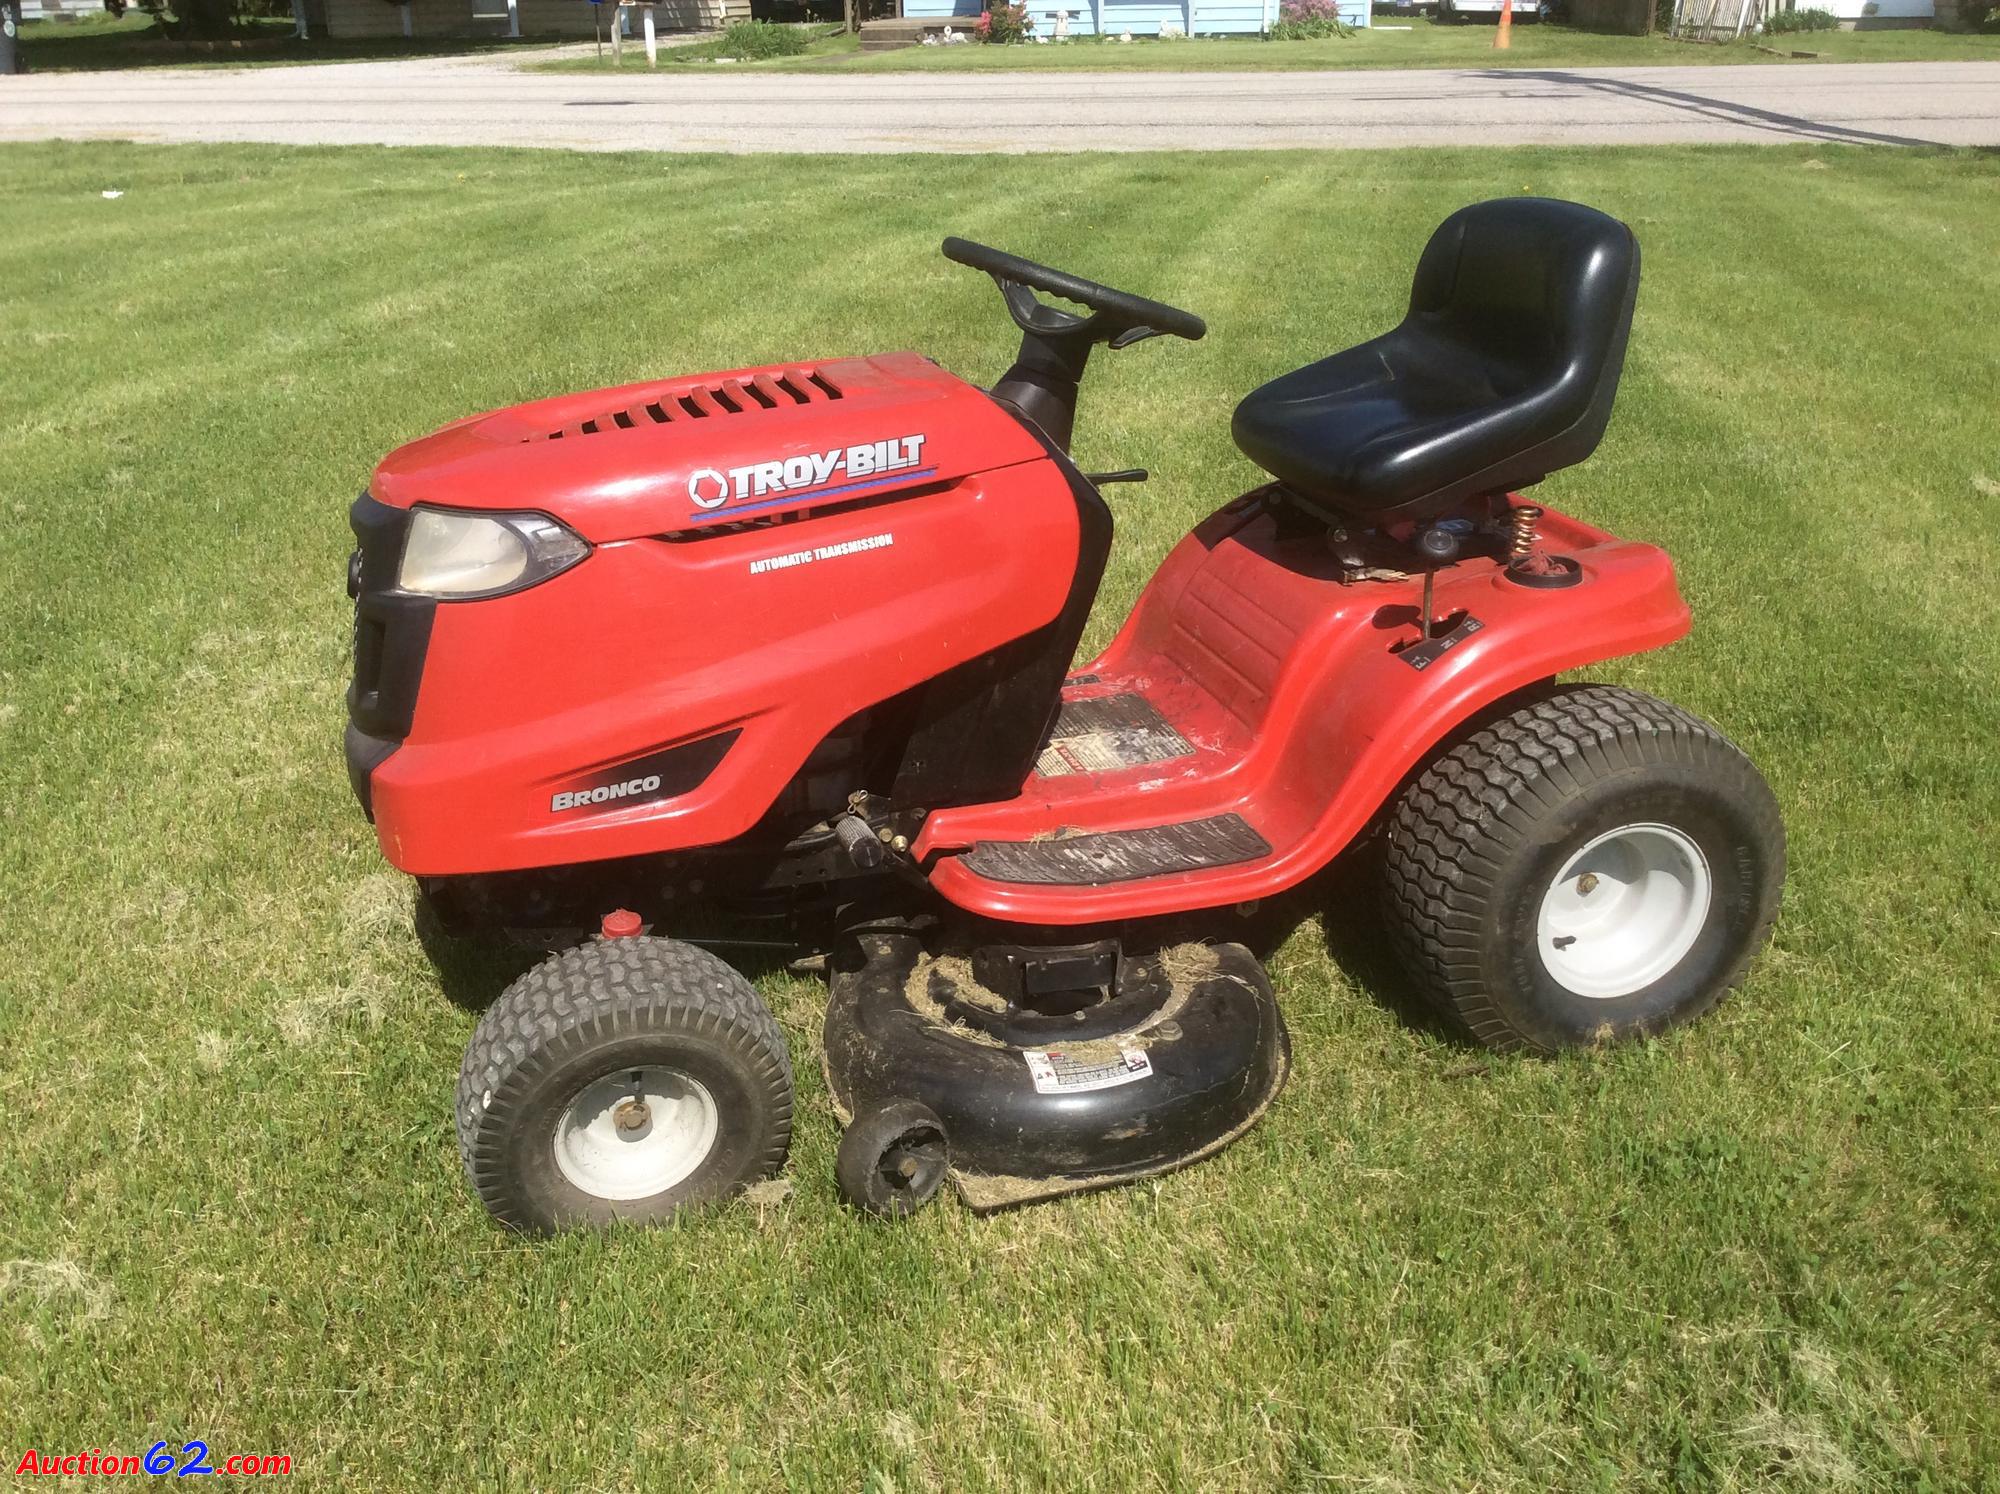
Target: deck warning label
1058,1073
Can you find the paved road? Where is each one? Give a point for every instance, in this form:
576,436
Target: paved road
483,101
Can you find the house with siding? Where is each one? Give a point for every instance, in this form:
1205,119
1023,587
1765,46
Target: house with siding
1877,15
1727,17
434,18
1140,17
514,17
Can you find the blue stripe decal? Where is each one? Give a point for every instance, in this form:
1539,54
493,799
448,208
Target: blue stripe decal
853,487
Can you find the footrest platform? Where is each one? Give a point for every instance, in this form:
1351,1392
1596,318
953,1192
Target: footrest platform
1120,855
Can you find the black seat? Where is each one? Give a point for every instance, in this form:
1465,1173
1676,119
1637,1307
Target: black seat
1503,371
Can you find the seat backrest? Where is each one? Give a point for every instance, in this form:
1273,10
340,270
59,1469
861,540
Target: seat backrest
1503,371
1543,291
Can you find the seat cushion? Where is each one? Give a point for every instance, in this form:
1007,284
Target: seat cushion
1503,371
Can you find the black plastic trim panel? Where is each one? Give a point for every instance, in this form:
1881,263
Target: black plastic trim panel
666,774
981,726
364,755
392,630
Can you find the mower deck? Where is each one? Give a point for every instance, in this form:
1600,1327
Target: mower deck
1174,1057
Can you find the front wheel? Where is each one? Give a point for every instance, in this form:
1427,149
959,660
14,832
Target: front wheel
893,1160
622,1080
1597,864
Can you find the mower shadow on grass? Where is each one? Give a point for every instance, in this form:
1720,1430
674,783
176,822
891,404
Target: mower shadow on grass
474,970
471,972
1344,902
1340,909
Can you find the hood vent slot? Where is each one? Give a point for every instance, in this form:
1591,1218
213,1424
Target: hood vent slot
781,391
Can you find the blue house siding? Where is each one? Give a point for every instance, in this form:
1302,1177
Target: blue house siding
1140,17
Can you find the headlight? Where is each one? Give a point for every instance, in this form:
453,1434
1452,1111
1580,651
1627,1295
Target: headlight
453,554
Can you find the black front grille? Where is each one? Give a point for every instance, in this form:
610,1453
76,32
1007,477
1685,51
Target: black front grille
391,629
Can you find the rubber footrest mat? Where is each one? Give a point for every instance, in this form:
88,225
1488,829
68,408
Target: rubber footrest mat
1120,855
1107,733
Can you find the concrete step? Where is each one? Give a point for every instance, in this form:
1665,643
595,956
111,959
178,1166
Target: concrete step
888,35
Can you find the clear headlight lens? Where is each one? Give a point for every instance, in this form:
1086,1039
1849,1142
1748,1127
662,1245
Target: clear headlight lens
453,554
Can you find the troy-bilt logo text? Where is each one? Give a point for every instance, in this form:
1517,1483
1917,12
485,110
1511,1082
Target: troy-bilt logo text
710,488
604,792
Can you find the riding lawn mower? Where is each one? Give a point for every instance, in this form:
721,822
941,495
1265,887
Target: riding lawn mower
791,649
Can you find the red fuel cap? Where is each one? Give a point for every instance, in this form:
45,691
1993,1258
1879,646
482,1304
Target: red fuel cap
621,923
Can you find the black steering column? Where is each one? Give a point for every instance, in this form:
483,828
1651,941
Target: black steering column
1056,344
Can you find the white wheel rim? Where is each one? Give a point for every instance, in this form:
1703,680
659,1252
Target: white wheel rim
1623,911
635,1133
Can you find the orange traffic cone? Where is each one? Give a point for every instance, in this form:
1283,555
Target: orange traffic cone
1504,37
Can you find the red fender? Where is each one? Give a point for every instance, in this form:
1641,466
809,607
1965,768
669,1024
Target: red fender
1303,713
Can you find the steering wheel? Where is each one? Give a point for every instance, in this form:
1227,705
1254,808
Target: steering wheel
1116,317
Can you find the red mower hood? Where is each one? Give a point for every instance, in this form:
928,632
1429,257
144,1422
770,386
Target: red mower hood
682,454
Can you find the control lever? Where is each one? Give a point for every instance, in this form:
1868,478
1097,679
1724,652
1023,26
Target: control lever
1126,474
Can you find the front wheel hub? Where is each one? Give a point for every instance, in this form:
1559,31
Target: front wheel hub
635,1133
632,1115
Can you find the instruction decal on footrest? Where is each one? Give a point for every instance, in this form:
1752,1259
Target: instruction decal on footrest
1058,1073
1107,733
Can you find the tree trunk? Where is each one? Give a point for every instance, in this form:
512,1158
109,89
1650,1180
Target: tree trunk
852,9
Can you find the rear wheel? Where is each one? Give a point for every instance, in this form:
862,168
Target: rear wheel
1596,864
622,1080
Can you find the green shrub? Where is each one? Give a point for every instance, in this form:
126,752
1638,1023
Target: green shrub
1309,20
1810,19
754,40
1003,24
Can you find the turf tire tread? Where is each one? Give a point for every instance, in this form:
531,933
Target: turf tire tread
609,988
1453,827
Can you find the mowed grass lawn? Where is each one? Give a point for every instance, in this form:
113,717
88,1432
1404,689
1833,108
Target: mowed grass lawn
1758,1253
1390,43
